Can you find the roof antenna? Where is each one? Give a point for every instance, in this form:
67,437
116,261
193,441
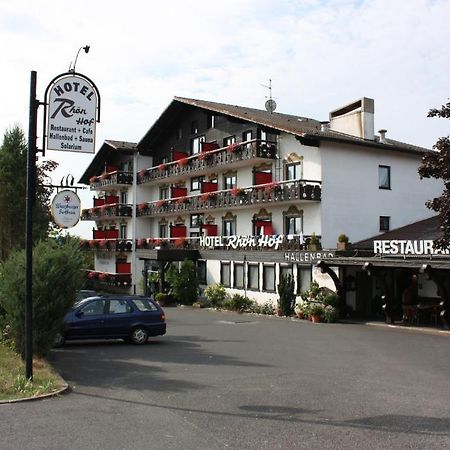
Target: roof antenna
270,104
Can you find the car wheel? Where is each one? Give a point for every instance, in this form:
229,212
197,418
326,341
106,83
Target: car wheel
139,335
59,340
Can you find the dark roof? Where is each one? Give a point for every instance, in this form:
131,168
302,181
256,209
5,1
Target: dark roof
427,229
303,127
108,149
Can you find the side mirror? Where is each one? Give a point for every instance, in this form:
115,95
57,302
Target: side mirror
79,314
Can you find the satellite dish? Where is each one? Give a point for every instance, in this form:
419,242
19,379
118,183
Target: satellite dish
271,105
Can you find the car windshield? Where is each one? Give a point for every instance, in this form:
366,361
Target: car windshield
144,304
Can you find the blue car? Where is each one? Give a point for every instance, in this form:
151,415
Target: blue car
132,317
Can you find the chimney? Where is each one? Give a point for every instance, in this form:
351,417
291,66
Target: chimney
355,119
382,136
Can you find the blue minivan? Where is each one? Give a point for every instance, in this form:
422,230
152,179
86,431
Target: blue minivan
129,317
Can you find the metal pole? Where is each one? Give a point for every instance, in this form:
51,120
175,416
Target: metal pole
31,168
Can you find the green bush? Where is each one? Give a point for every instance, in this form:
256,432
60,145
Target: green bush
330,314
56,278
286,292
184,282
332,300
215,294
265,308
238,303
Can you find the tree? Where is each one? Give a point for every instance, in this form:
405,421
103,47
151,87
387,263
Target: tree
56,278
437,165
184,282
13,166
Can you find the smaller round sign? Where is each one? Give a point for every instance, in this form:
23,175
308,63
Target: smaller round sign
66,209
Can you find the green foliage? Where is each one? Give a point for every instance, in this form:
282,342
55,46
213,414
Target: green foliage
13,163
56,278
161,298
286,292
216,294
330,314
316,309
343,238
435,165
238,303
332,300
264,308
184,282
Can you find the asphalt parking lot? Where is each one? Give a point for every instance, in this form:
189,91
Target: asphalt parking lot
224,380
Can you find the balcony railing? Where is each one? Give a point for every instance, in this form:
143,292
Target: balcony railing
107,279
107,212
107,245
112,180
225,156
285,191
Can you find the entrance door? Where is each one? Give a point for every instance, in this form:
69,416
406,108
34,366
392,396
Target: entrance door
364,293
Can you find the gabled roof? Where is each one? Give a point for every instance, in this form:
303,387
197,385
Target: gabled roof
303,127
108,149
427,229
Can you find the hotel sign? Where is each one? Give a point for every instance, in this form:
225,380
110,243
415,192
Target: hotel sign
241,242
72,113
407,247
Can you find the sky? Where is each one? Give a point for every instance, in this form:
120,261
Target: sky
319,54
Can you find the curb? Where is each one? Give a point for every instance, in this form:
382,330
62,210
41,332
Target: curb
63,390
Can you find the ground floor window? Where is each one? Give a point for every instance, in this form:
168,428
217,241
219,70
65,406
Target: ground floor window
286,270
238,281
253,277
303,278
201,271
225,269
269,278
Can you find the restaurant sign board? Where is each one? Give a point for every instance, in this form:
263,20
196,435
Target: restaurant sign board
73,110
407,247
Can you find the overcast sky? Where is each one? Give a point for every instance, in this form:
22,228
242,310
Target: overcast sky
320,54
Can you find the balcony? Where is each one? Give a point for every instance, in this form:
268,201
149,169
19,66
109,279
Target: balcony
107,245
109,181
234,155
104,280
285,191
107,212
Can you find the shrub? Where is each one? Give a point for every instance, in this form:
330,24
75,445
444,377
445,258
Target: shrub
161,298
184,282
330,314
265,308
286,292
343,238
239,303
56,278
316,309
331,300
216,294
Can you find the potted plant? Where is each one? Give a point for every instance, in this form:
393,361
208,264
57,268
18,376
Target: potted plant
342,243
316,312
313,244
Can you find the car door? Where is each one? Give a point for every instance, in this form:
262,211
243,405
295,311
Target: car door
118,318
87,320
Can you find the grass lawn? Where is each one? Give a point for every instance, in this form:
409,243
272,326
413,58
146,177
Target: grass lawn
13,383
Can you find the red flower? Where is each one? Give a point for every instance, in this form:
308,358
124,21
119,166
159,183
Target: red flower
183,162
142,206
235,192
161,203
162,167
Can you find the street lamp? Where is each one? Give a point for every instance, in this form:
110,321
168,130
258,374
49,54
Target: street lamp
86,49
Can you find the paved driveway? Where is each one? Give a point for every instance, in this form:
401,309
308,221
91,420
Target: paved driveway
223,380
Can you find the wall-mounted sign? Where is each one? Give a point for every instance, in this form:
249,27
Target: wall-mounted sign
241,242
66,207
307,257
73,108
407,247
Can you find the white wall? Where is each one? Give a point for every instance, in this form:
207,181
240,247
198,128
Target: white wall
352,201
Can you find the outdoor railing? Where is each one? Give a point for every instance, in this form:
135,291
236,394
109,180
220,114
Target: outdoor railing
107,212
283,191
225,156
110,180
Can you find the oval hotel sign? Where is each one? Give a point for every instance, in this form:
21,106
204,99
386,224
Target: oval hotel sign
73,110
66,209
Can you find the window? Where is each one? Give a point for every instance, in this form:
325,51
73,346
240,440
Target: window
262,227
294,171
119,307
294,225
269,278
247,136
285,270
143,304
238,276
196,220
384,177
123,231
94,308
229,140
384,223
164,193
195,144
303,278
201,271
253,277
225,274
124,197
230,181
211,121
196,183
229,227
180,133
163,231
194,127
262,135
